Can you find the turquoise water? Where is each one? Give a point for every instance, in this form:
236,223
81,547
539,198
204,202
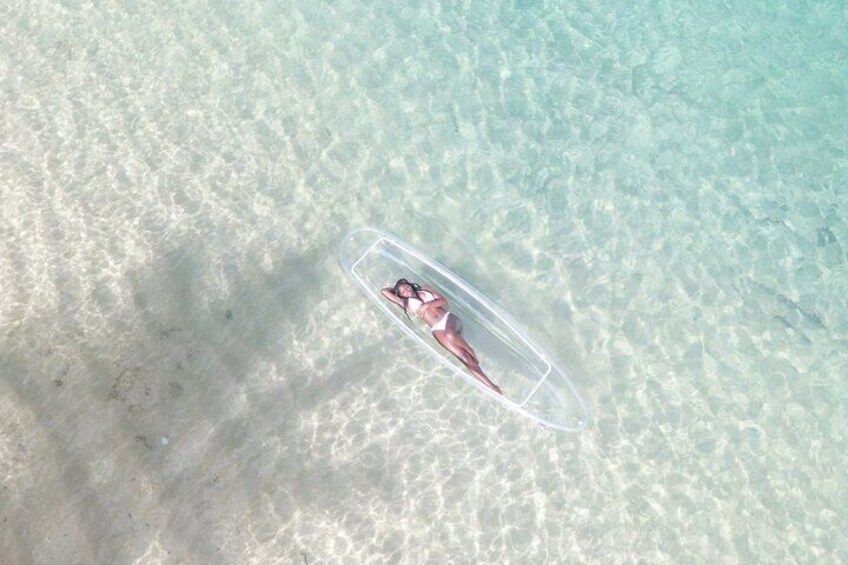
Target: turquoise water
657,191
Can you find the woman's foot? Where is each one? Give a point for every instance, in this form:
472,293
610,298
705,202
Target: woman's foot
485,380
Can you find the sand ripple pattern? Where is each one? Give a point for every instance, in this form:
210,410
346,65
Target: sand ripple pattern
186,376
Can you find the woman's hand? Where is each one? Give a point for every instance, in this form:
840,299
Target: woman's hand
437,303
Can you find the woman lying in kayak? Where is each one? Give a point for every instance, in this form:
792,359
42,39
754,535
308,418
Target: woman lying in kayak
430,306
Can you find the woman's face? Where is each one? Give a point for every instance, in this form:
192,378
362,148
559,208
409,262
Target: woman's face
404,290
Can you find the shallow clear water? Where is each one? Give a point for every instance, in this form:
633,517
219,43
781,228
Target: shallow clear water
658,192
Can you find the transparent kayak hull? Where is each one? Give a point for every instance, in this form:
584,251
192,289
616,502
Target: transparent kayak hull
532,383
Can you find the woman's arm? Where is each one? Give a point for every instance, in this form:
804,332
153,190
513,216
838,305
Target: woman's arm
437,303
389,293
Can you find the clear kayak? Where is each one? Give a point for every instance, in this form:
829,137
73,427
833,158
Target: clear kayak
531,382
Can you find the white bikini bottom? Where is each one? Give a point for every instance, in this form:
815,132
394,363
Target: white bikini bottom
441,324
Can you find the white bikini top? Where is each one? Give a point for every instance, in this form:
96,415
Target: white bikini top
413,304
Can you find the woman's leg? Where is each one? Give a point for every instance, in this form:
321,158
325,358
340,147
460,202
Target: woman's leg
454,327
454,343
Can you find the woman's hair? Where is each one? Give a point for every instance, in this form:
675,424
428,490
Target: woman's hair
415,289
